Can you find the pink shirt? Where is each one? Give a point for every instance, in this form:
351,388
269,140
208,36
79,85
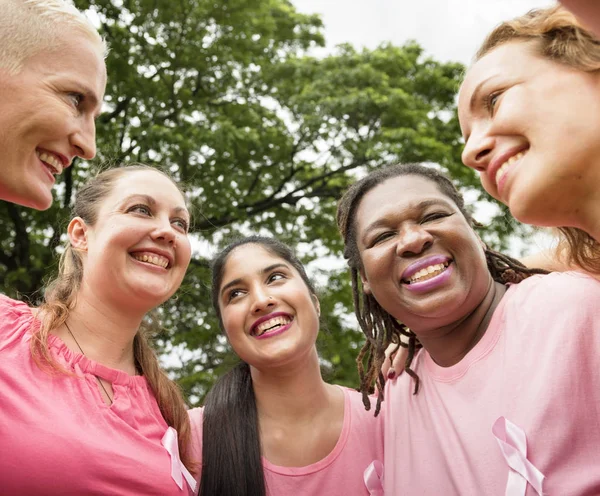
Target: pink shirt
341,473
538,366
58,437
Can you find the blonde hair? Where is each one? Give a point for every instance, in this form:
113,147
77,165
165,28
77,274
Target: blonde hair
557,35
29,26
60,296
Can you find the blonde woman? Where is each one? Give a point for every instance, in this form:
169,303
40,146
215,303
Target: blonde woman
52,81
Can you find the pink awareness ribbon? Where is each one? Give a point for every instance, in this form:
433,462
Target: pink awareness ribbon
513,445
178,469
374,478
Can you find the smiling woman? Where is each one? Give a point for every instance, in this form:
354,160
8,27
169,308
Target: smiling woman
499,362
529,109
272,422
82,390
52,81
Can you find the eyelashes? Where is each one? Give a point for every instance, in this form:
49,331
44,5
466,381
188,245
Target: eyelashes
145,210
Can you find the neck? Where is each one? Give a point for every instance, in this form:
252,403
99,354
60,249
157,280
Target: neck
292,393
104,334
448,345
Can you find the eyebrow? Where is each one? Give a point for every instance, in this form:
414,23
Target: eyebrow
475,95
264,271
420,206
152,202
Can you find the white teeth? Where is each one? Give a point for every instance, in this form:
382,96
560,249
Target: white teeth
51,160
281,321
432,270
503,168
152,259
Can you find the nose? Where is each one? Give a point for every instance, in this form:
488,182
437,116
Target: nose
83,140
263,302
477,151
164,231
413,240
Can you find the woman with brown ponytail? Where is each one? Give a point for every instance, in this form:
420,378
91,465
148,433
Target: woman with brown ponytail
504,397
86,408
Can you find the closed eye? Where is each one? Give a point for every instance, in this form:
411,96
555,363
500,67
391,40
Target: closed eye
434,216
380,238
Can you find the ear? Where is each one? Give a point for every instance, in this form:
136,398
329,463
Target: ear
78,234
317,304
365,283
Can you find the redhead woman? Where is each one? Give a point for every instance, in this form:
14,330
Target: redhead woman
52,81
272,425
85,406
529,110
504,397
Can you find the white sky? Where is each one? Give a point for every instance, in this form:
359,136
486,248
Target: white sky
449,30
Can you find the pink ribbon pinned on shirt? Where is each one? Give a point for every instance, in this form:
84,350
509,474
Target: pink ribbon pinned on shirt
513,445
374,478
178,469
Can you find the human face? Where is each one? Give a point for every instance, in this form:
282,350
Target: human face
47,118
138,250
531,129
268,312
421,260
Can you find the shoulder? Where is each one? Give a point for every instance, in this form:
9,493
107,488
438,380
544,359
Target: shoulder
552,305
196,416
15,318
557,289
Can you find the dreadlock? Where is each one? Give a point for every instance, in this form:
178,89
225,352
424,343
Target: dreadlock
378,326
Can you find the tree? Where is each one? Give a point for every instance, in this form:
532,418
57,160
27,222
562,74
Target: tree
226,96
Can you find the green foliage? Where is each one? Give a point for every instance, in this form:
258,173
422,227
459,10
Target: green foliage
226,96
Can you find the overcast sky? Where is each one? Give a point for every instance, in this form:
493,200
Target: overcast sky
449,30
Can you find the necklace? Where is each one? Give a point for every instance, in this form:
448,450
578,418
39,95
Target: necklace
82,352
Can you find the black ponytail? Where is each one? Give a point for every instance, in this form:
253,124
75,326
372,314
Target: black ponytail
231,454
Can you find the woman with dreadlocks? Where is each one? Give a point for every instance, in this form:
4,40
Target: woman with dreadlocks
272,425
505,395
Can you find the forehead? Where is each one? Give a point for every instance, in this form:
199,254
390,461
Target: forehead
80,61
507,60
247,260
397,195
146,182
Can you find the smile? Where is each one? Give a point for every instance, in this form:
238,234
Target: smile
506,165
428,273
271,326
53,163
152,259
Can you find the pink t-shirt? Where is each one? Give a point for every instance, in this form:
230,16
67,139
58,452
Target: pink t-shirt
341,473
538,367
58,437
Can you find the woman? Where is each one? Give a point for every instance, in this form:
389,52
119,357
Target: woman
506,387
529,109
272,425
85,406
52,81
